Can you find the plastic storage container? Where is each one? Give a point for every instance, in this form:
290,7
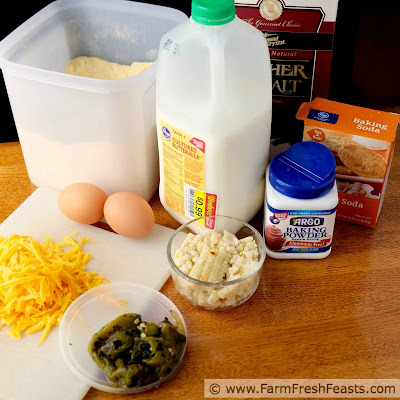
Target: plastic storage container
301,200
73,128
214,96
86,315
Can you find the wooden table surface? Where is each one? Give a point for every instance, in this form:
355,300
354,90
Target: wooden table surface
332,318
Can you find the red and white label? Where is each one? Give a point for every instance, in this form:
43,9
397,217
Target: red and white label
198,144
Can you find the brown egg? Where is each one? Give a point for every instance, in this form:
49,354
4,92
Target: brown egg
129,214
82,202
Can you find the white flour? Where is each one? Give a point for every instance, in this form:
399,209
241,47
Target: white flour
115,167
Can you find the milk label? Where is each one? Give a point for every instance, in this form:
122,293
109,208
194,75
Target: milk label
184,175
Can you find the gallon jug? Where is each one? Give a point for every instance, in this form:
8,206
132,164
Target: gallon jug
213,106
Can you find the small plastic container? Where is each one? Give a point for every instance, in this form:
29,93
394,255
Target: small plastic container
101,305
219,295
301,199
78,129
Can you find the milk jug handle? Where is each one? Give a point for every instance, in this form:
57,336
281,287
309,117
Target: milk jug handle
216,45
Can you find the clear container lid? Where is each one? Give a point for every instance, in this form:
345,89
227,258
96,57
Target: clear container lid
101,305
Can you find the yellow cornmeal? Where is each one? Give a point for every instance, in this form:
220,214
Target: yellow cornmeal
94,67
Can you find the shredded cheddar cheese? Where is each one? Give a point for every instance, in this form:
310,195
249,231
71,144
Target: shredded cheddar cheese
38,281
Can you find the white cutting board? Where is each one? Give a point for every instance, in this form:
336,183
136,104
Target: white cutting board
31,372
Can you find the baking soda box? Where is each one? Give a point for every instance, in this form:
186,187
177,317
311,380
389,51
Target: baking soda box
299,34
362,142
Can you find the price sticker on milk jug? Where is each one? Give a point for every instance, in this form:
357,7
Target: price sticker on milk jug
200,204
183,169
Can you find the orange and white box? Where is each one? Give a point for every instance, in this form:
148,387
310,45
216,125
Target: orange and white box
362,141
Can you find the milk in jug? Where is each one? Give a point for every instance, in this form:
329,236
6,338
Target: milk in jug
214,99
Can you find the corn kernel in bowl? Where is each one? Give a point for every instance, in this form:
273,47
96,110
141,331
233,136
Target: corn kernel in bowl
217,259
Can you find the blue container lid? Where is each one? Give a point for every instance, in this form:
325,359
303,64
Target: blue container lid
305,171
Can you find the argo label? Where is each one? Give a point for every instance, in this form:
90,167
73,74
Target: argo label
305,231
184,175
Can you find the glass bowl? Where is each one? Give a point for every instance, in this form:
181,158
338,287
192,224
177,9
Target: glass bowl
220,294
101,305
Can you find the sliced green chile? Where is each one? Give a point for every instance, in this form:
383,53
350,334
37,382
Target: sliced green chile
135,353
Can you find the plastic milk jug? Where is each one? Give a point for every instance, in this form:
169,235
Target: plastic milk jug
214,99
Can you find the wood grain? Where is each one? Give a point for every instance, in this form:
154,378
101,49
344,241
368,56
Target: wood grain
334,318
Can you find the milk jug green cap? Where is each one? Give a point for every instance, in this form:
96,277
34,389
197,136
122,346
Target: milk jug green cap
213,12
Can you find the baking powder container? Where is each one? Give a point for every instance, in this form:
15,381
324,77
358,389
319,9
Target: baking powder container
300,203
